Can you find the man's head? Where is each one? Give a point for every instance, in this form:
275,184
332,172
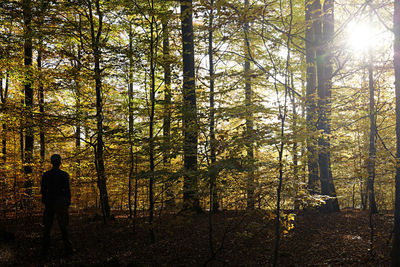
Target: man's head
55,160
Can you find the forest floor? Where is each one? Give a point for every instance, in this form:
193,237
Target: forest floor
239,239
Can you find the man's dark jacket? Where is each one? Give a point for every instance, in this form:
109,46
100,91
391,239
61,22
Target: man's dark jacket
55,188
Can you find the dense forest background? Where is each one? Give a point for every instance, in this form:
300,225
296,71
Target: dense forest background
187,106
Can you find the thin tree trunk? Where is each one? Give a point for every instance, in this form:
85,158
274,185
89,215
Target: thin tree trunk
190,127
295,147
282,115
372,135
78,115
130,119
78,110
28,90
4,96
151,124
43,8
99,149
248,113
169,193
395,253
41,109
213,190
212,174
312,157
135,199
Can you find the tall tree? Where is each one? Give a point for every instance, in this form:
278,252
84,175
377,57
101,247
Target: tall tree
130,118
153,58
312,157
190,127
329,35
324,76
248,111
40,53
170,199
96,31
372,133
213,157
78,92
28,92
395,253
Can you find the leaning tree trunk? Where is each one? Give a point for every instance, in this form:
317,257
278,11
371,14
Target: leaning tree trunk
190,127
99,149
248,113
395,253
311,118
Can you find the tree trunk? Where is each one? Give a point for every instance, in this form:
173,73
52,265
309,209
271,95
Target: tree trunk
3,98
295,147
324,75
372,135
329,34
28,91
151,123
213,157
78,110
169,193
41,108
248,113
130,119
395,253
190,127
78,115
99,149
312,156
43,8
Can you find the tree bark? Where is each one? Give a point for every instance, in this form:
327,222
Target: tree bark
190,127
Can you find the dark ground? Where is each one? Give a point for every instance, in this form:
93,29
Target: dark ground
337,239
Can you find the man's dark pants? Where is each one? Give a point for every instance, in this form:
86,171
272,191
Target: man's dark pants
60,211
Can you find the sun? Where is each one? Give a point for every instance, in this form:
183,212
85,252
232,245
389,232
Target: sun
361,37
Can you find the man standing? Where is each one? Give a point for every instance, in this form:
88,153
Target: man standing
56,196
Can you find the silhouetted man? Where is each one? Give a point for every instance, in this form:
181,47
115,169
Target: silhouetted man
56,196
